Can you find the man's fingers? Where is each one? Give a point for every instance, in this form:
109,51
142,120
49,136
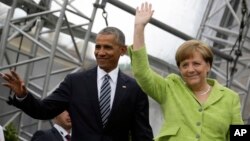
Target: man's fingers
5,77
11,77
15,83
24,88
1,74
8,77
7,85
15,75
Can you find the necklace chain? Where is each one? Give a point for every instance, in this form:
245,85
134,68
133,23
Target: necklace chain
204,93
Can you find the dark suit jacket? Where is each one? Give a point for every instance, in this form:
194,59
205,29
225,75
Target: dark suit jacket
47,135
78,94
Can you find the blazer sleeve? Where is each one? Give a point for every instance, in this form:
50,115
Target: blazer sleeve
48,107
39,136
47,135
141,130
152,83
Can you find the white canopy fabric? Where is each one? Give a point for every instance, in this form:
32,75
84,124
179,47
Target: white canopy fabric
4,11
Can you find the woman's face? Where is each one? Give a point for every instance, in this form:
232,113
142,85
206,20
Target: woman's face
194,70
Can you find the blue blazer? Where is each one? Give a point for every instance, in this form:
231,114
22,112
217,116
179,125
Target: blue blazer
47,135
78,93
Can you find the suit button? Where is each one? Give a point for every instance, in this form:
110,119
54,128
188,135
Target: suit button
198,123
197,136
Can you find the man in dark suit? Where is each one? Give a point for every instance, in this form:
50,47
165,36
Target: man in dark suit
80,92
59,132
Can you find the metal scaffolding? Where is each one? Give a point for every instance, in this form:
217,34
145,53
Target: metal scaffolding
29,29
230,35
223,36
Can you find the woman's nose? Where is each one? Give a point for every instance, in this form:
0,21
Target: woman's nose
190,68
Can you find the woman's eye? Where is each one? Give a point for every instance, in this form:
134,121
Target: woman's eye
184,65
196,64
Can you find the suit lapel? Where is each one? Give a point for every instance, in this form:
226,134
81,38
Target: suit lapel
93,94
120,93
215,96
57,134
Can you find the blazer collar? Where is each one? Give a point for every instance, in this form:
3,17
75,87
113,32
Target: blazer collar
120,93
57,134
61,130
215,94
92,90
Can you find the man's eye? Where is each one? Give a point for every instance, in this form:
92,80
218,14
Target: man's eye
107,46
104,46
97,46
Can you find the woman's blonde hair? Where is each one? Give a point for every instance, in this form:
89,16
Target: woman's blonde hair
187,49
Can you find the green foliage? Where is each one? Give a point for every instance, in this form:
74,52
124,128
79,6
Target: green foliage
10,133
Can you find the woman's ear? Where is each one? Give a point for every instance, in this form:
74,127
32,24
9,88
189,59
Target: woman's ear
209,67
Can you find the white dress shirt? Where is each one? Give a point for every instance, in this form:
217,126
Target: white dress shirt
62,131
113,81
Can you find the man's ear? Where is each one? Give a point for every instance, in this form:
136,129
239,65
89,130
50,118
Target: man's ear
123,50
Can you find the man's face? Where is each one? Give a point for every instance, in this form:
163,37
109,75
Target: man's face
64,120
108,51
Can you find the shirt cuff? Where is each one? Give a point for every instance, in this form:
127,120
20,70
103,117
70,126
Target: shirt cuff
20,98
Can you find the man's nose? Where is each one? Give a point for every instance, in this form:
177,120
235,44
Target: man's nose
101,51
